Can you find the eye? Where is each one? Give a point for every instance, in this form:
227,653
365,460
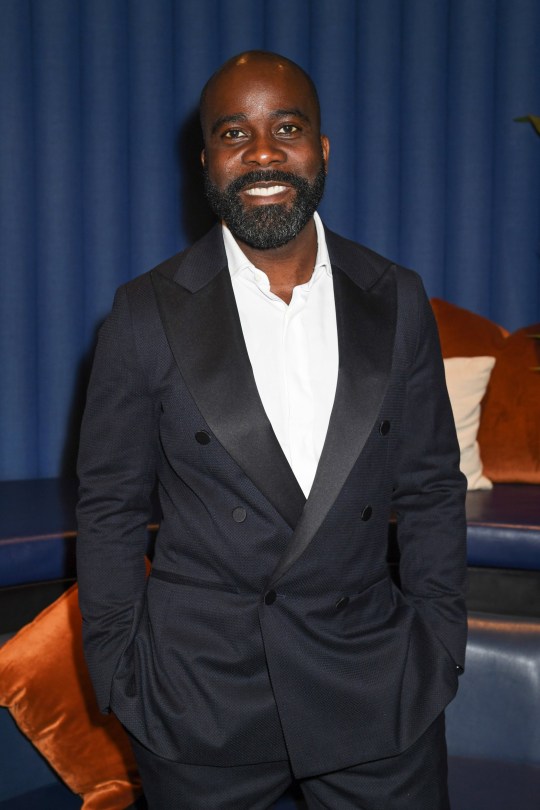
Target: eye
288,129
233,134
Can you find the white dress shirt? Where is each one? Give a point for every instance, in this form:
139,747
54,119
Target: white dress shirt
293,351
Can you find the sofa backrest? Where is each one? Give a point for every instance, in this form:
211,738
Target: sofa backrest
509,433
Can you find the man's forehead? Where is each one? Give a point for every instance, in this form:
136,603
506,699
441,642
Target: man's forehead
256,62
254,73
239,81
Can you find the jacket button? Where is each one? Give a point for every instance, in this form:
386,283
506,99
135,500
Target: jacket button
367,511
239,514
270,598
342,603
202,437
384,427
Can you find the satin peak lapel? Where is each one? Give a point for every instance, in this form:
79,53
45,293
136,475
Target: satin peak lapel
366,322
205,336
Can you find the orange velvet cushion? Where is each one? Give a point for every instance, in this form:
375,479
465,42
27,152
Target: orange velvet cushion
509,434
464,333
45,684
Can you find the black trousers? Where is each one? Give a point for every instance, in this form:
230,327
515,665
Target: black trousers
416,779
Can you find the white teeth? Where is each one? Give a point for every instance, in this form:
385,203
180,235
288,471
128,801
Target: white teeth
265,191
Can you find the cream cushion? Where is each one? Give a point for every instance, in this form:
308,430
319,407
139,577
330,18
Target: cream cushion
467,379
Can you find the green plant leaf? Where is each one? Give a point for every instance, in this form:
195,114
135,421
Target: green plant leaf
531,119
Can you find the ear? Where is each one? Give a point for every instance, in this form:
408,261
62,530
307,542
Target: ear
325,146
203,158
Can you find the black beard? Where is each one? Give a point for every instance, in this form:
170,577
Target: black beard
265,227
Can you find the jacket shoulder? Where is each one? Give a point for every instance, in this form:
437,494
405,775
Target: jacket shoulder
364,265
196,266
167,268
205,252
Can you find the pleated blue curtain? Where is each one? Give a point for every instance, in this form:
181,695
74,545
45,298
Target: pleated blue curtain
99,177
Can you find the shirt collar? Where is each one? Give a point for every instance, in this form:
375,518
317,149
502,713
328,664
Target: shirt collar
238,262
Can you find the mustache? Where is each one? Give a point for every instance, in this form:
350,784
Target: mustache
266,175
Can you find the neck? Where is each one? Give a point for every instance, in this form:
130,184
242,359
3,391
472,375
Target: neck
289,265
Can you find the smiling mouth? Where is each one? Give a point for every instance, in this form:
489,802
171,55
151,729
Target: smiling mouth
266,188
265,191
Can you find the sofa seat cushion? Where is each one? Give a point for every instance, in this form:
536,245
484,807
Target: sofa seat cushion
503,527
492,724
476,784
494,715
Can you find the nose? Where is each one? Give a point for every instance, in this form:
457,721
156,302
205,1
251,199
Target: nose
264,151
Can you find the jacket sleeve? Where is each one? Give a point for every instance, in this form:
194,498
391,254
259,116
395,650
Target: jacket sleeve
116,469
429,493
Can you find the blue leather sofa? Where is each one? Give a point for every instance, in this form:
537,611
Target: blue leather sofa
493,725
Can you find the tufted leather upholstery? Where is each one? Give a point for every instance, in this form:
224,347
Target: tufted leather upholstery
504,527
493,725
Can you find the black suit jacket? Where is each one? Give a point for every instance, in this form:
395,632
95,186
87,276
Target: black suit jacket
269,626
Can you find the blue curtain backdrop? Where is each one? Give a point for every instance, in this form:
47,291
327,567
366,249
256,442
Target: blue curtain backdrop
99,178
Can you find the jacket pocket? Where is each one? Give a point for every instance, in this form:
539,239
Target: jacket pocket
194,582
366,610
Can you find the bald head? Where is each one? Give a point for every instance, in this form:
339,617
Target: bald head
245,65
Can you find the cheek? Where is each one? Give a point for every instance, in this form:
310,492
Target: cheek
307,160
222,170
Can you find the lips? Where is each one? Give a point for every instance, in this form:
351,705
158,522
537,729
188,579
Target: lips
265,191
265,183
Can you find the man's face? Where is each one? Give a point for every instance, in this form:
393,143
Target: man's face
264,158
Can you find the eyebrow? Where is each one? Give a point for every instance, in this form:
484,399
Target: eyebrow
234,118
295,111
240,118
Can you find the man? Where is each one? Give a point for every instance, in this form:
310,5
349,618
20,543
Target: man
285,388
